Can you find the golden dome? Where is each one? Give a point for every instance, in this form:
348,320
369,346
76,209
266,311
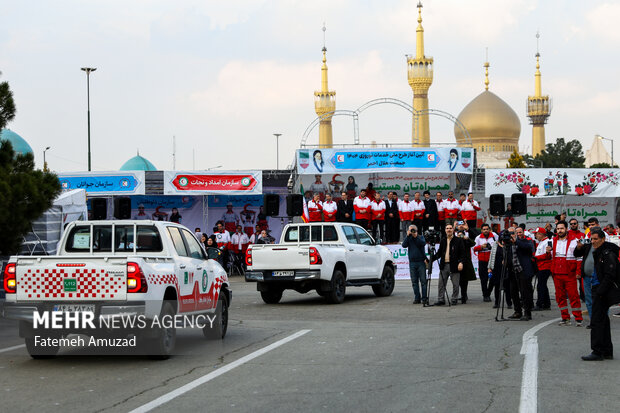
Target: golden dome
491,123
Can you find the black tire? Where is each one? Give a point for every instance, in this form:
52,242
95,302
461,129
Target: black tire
41,352
321,292
386,286
339,287
162,346
220,324
272,295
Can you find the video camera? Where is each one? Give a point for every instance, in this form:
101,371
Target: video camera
432,236
505,237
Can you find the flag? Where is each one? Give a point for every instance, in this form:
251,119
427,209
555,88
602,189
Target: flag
306,215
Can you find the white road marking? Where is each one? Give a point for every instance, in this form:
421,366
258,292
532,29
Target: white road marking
529,380
202,380
4,350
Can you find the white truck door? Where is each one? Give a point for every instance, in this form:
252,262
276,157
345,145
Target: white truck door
354,252
202,278
370,254
184,269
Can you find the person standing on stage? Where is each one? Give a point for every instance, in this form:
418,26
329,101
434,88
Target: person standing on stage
329,209
377,216
441,215
315,209
451,209
344,212
417,211
361,206
430,212
392,219
469,210
405,210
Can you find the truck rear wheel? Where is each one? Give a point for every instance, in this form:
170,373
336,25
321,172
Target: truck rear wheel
272,295
386,286
339,287
161,346
39,352
220,324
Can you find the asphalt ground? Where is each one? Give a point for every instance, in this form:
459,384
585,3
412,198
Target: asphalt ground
368,354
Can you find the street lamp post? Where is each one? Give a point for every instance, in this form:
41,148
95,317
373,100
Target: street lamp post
612,148
277,135
44,162
88,70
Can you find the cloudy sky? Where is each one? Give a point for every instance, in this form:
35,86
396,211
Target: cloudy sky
223,76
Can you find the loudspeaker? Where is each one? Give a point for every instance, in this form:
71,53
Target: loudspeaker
519,204
294,205
99,208
497,205
122,208
271,202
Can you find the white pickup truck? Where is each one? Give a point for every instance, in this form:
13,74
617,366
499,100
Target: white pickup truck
105,269
322,256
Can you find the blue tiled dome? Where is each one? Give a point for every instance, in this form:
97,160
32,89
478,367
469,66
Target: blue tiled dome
20,146
138,163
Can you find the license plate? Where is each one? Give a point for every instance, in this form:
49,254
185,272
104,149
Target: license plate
75,308
283,273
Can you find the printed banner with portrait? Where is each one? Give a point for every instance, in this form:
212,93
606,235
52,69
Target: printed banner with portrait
429,160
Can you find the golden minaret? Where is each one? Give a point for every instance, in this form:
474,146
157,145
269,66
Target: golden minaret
538,109
420,76
325,104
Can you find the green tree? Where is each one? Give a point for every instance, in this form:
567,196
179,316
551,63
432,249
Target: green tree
25,193
516,160
7,105
562,154
600,165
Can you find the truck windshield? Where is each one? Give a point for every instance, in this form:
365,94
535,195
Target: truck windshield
148,239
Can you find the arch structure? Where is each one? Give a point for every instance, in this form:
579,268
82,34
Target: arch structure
355,115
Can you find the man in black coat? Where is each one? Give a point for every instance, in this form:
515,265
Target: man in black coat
451,255
392,219
431,215
605,291
520,275
344,209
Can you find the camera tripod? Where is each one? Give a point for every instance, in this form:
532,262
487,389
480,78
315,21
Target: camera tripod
502,280
431,250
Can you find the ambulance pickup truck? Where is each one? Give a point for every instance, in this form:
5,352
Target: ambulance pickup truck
323,256
105,269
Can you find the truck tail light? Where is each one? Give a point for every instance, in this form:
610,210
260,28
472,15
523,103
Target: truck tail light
315,257
10,282
136,281
248,257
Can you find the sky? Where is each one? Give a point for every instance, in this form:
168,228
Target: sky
223,76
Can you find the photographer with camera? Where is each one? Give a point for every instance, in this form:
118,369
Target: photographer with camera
451,255
497,273
521,275
415,243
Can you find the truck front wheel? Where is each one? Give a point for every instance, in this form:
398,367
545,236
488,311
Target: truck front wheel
386,285
272,295
339,286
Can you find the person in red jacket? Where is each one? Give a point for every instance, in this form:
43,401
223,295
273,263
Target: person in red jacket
484,243
405,210
377,216
441,215
574,233
417,211
564,277
543,262
329,209
315,209
469,210
451,209
361,206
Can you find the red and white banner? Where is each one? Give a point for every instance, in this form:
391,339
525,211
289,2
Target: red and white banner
213,183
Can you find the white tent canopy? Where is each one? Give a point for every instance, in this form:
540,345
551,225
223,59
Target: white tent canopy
47,230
